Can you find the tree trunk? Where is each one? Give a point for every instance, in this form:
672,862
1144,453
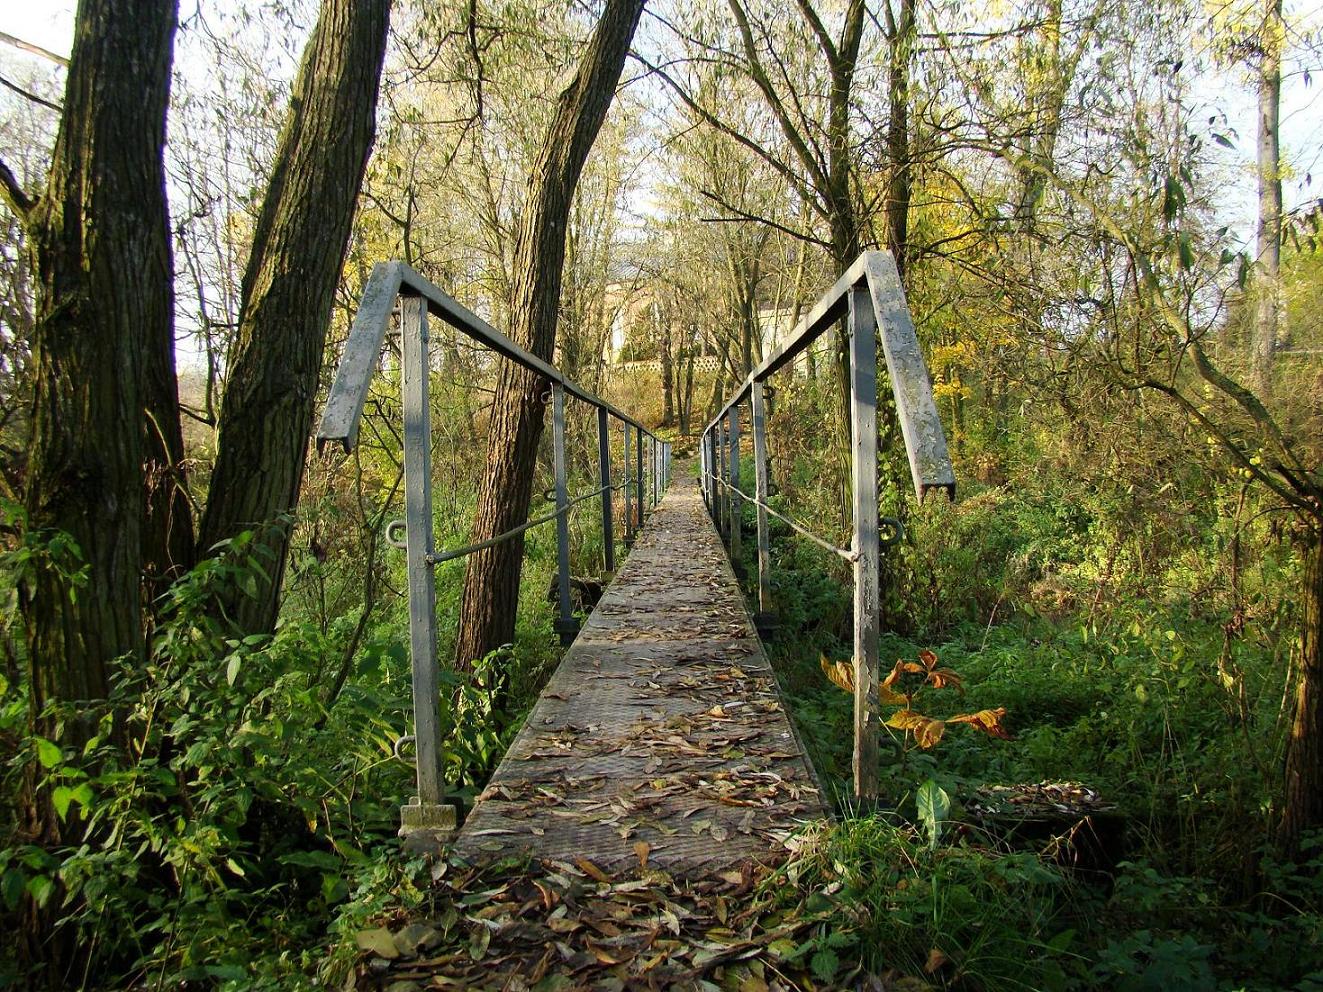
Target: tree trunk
104,309
1302,803
899,180
104,312
491,580
664,340
289,285
1268,276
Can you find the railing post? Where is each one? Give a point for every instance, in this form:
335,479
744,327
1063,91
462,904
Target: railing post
604,465
761,492
712,477
425,813
703,471
723,498
866,546
565,625
656,489
629,494
638,480
736,497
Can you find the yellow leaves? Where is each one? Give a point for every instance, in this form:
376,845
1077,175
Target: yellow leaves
840,673
988,721
927,731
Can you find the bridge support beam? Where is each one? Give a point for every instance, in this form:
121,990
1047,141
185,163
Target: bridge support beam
866,541
425,815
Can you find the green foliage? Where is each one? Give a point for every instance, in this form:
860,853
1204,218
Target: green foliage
227,810
966,915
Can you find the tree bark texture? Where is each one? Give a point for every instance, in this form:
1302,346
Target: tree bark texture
899,177
1302,802
104,315
289,285
1269,239
491,580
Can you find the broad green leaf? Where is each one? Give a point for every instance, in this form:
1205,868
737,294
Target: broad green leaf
934,806
40,888
11,888
232,669
48,754
60,799
825,964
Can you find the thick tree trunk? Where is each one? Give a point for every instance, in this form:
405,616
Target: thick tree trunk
1302,803
491,581
289,285
104,313
104,310
1269,241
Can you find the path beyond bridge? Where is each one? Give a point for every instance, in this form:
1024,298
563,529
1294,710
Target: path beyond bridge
662,737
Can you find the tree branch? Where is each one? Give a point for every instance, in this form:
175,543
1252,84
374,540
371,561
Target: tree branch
27,46
18,201
774,102
29,95
743,215
805,192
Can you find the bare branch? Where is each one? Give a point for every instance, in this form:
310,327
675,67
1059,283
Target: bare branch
743,215
774,103
18,201
27,46
29,95
804,191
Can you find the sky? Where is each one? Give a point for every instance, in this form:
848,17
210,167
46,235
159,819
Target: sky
49,23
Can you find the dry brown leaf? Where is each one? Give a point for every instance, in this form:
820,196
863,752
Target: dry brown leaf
590,869
841,673
642,848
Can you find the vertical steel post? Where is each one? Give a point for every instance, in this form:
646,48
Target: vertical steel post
656,490
702,470
723,496
426,811
713,493
867,566
566,625
638,479
629,495
760,491
604,466
736,496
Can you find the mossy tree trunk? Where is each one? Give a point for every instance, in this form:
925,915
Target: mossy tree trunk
102,353
1302,798
288,288
491,580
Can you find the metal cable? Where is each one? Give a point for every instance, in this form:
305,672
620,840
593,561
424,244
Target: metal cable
436,558
800,529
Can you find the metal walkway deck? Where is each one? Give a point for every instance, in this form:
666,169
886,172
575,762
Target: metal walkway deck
662,736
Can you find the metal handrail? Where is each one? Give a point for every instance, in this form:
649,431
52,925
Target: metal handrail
396,282
869,294
390,280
